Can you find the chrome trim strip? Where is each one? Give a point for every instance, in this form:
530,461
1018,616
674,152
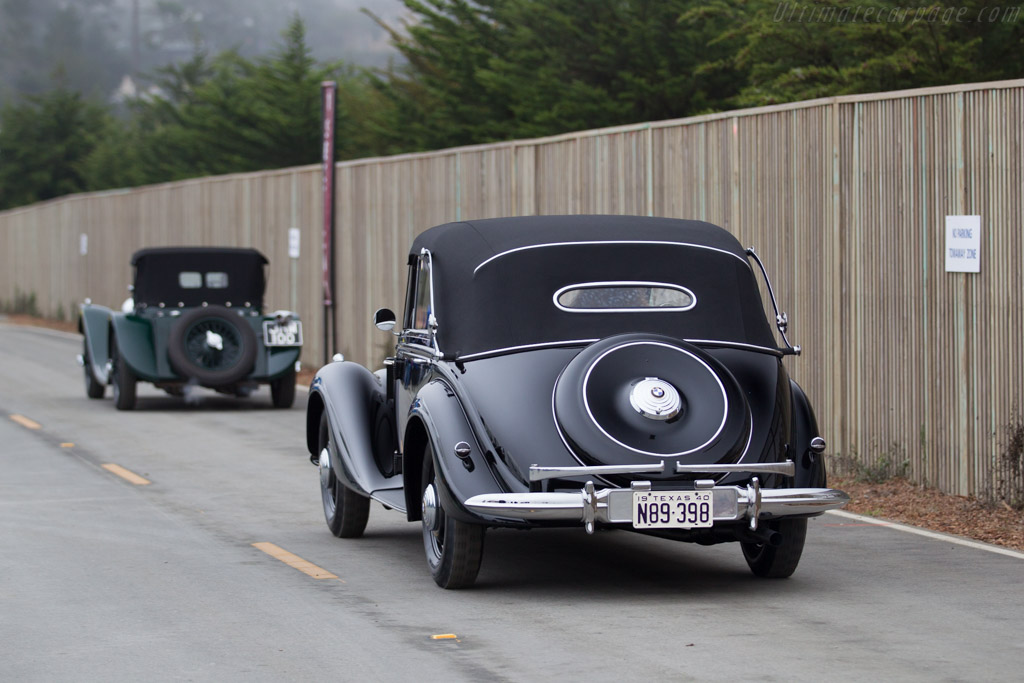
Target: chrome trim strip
636,309
575,342
739,345
787,468
721,387
539,473
594,242
526,347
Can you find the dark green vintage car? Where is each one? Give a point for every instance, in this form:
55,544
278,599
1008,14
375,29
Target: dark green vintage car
195,319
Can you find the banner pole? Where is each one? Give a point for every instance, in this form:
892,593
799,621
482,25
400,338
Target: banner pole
328,97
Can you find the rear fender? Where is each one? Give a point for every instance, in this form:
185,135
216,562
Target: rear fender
281,359
134,338
94,324
277,359
810,466
347,392
444,422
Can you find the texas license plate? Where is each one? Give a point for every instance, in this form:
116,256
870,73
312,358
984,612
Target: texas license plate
672,509
289,334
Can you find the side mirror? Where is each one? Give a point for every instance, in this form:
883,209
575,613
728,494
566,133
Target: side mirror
384,319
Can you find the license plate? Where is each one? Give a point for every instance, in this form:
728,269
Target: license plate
289,334
673,509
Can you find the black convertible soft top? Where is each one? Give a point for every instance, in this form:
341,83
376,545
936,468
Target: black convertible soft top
495,280
158,271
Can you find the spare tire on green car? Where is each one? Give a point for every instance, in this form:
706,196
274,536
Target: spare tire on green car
212,345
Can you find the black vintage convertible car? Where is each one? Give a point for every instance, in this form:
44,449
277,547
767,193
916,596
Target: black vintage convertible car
594,371
195,318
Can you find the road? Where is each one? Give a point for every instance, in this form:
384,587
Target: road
104,579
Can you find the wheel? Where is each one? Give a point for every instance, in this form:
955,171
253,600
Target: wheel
384,434
212,345
282,390
123,379
454,549
611,410
93,389
345,510
778,562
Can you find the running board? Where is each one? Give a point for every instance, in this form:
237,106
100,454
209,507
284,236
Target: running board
390,498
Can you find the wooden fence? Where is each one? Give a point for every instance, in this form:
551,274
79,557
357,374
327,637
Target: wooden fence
845,199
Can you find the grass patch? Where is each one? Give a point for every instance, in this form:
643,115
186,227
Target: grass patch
23,303
1011,461
891,463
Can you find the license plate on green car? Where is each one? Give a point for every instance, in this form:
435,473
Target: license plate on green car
289,334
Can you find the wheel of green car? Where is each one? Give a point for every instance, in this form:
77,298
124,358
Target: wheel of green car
454,549
282,390
778,562
93,389
123,379
345,510
212,345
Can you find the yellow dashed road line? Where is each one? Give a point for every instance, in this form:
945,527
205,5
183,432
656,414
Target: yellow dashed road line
25,422
295,561
126,474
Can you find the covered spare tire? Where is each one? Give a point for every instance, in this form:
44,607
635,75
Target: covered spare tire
643,399
212,345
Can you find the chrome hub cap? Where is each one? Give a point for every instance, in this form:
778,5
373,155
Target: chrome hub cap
655,399
325,469
430,516
214,340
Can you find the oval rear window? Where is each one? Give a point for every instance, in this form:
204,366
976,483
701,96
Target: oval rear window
624,296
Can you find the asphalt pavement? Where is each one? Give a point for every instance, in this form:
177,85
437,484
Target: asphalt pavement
211,562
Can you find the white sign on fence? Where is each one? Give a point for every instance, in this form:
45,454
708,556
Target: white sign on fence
963,244
83,244
293,242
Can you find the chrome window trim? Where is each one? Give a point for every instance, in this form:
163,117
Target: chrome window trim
629,283
431,332
594,242
781,319
721,387
418,350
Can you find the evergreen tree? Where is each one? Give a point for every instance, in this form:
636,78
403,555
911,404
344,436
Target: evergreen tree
44,142
819,48
231,114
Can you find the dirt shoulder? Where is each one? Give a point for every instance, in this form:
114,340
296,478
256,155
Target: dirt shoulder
899,500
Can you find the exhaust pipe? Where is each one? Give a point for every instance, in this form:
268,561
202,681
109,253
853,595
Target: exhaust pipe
762,536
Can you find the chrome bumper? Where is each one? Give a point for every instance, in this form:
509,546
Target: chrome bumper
615,506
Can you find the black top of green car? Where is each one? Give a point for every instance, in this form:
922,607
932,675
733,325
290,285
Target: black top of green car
191,276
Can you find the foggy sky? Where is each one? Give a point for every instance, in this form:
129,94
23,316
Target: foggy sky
90,45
